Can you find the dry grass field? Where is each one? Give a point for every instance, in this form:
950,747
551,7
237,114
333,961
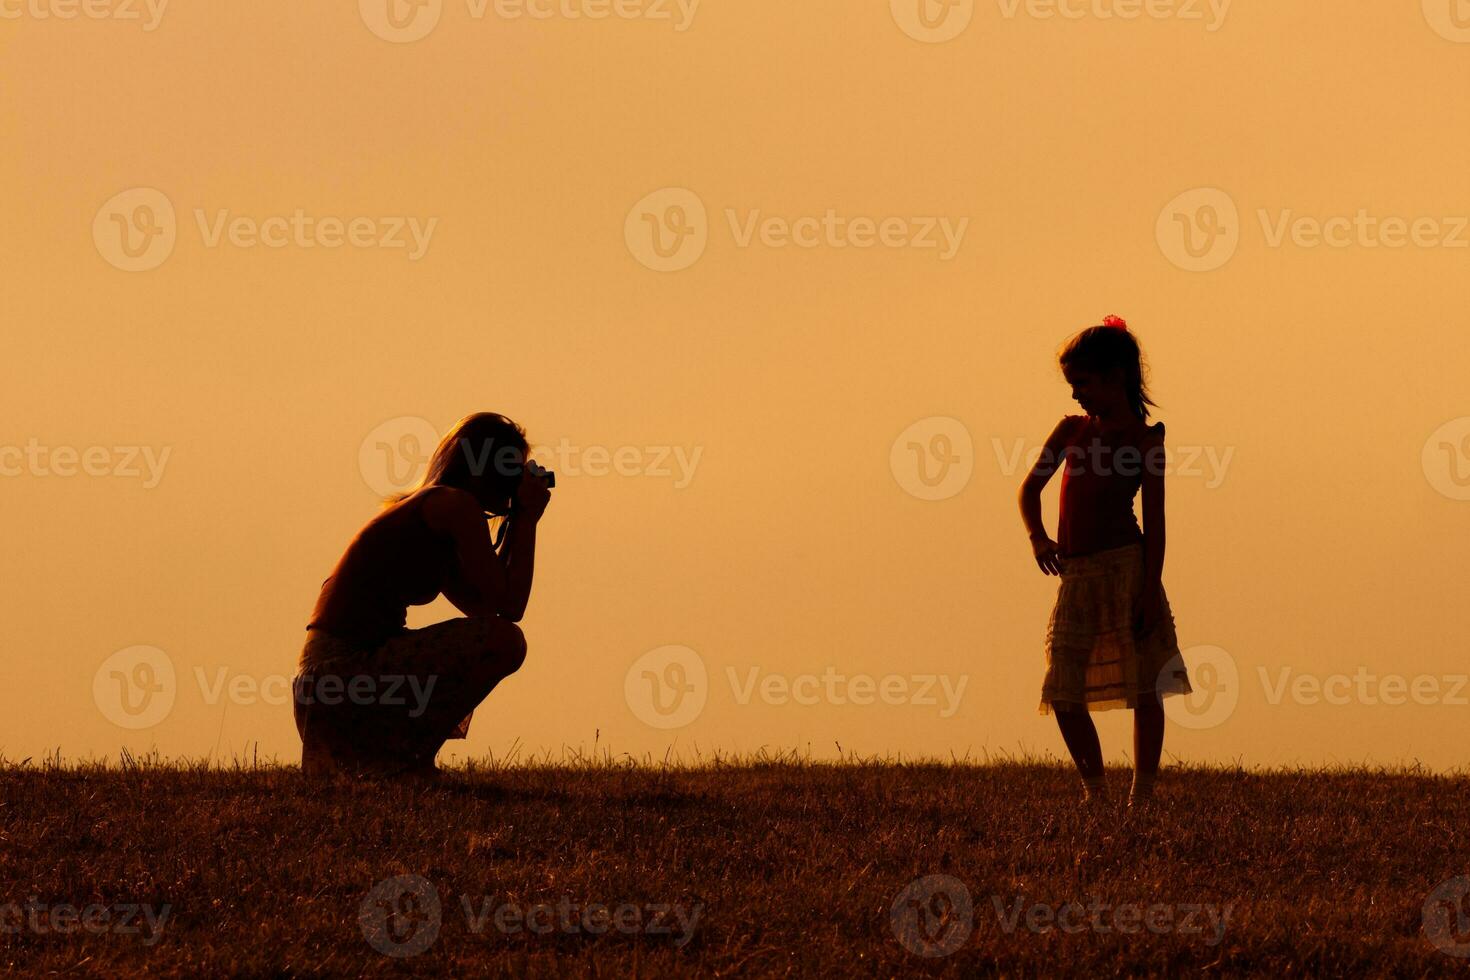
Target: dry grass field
761,867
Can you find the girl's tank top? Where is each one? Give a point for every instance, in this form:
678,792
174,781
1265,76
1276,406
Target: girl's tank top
1101,475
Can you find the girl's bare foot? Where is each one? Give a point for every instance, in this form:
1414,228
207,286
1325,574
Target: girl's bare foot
1142,794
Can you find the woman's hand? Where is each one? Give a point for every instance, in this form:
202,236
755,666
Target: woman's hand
1045,550
1148,608
532,493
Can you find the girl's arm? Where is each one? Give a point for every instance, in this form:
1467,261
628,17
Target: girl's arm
1148,606
1154,464
1030,497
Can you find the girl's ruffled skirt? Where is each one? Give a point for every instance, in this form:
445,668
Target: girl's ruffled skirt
1093,656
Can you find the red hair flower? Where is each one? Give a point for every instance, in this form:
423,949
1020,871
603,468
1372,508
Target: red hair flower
1115,321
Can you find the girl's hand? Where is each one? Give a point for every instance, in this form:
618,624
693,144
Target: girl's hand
1047,559
1148,609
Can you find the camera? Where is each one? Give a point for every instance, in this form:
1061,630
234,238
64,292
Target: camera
536,469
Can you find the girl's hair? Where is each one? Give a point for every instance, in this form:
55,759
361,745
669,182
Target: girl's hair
1108,348
472,456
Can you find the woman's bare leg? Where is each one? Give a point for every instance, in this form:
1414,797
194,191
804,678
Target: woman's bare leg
503,656
499,650
437,676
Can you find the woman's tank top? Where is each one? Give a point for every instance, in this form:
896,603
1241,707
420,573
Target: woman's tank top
394,562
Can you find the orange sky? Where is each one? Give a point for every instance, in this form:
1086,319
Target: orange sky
868,220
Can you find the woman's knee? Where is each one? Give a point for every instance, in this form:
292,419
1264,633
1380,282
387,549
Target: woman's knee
506,645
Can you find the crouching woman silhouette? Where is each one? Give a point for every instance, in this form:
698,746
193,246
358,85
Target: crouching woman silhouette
374,698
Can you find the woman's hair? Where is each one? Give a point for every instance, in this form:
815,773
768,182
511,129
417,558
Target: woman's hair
473,456
1110,347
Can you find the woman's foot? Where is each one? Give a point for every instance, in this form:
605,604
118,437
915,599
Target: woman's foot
318,762
426,775
412,774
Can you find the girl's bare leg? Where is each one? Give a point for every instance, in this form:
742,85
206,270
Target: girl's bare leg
1148,744
1080,734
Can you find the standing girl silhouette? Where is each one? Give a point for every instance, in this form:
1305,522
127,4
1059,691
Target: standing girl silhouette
1110,642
